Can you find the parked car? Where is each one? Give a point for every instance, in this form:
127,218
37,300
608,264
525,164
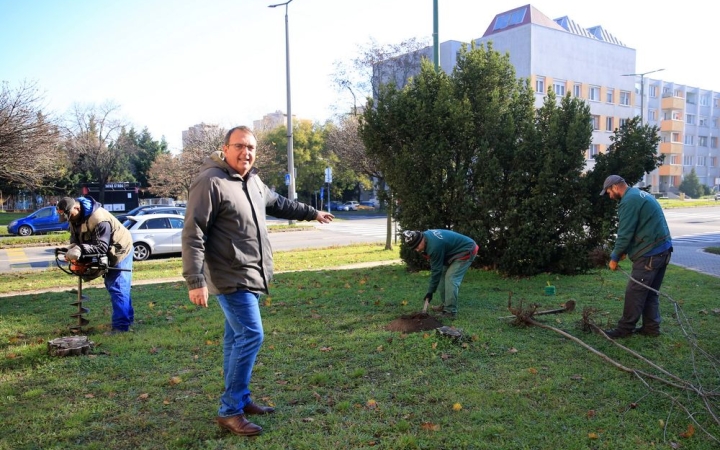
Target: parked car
44,220
717,196
336,206
155,234
132,212
163,210
351,206
367,205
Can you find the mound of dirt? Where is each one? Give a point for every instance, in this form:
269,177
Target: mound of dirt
411,323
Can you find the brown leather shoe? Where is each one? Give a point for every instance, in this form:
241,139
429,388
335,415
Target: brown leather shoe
438,308
255,409
239,425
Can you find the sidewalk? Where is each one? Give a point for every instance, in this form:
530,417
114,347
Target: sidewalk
182,280
692,256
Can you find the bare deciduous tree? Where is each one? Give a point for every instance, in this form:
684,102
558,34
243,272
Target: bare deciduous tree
373,66
172,175
28,137
345,142
376,64
166,178
91,138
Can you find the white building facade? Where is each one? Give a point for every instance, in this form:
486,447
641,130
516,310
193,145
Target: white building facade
592,64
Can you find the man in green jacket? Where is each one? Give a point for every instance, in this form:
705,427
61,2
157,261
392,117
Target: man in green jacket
450,255
643,235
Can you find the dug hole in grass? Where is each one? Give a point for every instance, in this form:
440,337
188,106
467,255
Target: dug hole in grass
340,379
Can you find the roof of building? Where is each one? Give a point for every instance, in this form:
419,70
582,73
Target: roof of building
529,14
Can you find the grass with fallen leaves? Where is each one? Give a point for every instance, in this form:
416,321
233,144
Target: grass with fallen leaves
339,380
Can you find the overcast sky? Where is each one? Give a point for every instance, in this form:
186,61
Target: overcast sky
171,64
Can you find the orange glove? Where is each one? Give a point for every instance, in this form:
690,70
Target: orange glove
613,265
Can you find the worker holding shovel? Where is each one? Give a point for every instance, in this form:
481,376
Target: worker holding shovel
450,255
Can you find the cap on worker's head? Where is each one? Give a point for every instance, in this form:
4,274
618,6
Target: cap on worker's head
412,238
610,181
66,204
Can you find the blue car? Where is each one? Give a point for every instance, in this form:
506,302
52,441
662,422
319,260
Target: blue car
44,220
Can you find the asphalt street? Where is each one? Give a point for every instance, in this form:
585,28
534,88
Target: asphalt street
688,246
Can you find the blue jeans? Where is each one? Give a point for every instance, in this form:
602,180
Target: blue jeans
641,302
449,286
118,284
241,344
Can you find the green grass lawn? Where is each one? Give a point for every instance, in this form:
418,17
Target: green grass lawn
340,380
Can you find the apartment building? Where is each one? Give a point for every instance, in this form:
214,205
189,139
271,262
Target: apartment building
689,122
592,64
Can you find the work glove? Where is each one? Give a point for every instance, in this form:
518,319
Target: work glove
73,254
613,265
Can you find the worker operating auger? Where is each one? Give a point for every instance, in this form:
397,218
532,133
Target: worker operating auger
86,268
100,246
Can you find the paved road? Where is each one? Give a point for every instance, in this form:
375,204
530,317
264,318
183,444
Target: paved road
693,229
359,229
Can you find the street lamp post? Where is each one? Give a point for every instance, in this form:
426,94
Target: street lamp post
642,103
642,90
290,157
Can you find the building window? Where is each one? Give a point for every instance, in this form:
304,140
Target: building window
559,88
713,161
690,119
716,102
666,91
624,98
610,94
653,91
701,161
540,85
689,139
703,122
704,100
508,19
595,122
676,115
691,98
577,90
713,142
702,141
687,160
594,151
679,93
652,114
675,137
674,160
610,123
594,93
623,122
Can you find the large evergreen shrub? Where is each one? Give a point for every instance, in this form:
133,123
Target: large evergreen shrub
469,152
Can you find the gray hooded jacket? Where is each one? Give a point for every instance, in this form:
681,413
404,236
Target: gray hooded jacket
225,243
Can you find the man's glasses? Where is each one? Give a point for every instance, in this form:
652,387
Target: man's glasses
241,147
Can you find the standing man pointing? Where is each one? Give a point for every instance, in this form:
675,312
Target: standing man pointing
226,252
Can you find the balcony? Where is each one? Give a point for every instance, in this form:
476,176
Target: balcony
673,103
668,170
672,125
671,148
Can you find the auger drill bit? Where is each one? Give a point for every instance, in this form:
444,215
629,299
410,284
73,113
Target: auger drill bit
81,321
